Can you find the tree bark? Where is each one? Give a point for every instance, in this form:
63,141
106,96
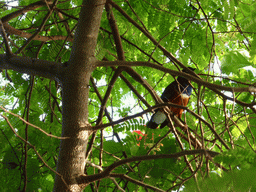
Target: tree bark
75,87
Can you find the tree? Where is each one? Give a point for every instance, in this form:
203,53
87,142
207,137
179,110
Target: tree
73,66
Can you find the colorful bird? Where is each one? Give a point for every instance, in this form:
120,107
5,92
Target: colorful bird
178,92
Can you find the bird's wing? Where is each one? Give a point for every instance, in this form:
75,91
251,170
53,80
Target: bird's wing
170,92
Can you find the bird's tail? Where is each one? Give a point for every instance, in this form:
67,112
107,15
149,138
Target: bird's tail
156,119
151,124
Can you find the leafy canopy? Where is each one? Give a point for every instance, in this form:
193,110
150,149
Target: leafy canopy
216,37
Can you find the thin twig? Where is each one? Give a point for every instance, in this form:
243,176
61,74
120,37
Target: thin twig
34,148
48,134
7,46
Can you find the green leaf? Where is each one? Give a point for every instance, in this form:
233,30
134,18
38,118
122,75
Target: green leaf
233,61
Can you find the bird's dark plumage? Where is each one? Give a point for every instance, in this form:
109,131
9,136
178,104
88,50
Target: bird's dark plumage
178,92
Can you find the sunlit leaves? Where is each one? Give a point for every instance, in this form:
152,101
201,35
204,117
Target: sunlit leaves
253,50
233,61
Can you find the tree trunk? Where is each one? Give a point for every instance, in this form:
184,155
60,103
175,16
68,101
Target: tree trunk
75,87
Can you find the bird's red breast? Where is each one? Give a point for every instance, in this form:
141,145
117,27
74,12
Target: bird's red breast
179,99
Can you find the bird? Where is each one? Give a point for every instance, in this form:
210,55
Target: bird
178,92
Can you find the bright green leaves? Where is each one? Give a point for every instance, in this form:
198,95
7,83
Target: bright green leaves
233,61
113,147
246,8
235,180
242,167
253,50
228,9
168,146
239,127
131,125
44,114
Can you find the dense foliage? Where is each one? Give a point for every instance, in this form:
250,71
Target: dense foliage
217,37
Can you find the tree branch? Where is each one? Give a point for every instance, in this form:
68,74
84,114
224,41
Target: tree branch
11,30
176,73
148,35
91,178
39,28
24,10
7,47
135,181
30,66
